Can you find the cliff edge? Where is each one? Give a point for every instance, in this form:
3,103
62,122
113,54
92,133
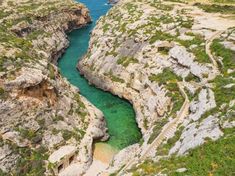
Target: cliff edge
174,61
46,125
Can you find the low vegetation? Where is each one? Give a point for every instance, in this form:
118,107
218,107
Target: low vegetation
114,78
165,147
166,76
216,158
223,94
125,61
215,8
157,129
228,55
170,79
176,98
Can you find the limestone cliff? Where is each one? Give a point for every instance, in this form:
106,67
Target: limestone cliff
174,62
39,110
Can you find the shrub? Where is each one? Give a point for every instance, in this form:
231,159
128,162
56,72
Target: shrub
31,162
164,77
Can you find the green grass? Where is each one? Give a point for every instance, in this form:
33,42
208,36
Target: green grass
112,53
197,40
31,162
165,148
130,7
200,54
192,77
191,95
223,95
4,14
2,93
80,109
114,78
215,8
34,136
125,61
166,19
176,98
33,35
77,98
199,51
224,1
228,55
187,24
169,79
77,134
158,5
180,1
166,76
11,38
212,158
159,35
106,27
157,129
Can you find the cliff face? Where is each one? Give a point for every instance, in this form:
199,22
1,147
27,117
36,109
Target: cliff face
175,63
113,1
39,110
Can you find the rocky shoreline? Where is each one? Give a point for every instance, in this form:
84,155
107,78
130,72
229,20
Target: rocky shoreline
175,68
40,111
162,57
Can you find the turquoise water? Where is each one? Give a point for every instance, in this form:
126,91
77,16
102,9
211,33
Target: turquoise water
119,114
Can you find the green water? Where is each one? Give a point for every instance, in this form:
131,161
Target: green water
119,113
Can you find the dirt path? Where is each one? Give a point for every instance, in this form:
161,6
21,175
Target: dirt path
168,130
208,45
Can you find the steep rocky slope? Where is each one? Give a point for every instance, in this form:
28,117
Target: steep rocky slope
41,112
175,63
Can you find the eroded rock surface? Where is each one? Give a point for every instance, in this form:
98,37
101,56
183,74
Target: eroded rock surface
40,111
174,63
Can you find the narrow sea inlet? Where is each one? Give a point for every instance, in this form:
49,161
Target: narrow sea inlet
119,113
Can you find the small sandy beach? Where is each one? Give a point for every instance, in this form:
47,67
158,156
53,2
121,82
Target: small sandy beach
103,155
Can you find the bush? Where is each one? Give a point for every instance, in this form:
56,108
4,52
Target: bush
31,162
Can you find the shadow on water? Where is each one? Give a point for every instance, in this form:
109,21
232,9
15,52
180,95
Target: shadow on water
119,113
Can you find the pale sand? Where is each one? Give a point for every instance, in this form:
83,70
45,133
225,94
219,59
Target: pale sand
103,155
104,152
